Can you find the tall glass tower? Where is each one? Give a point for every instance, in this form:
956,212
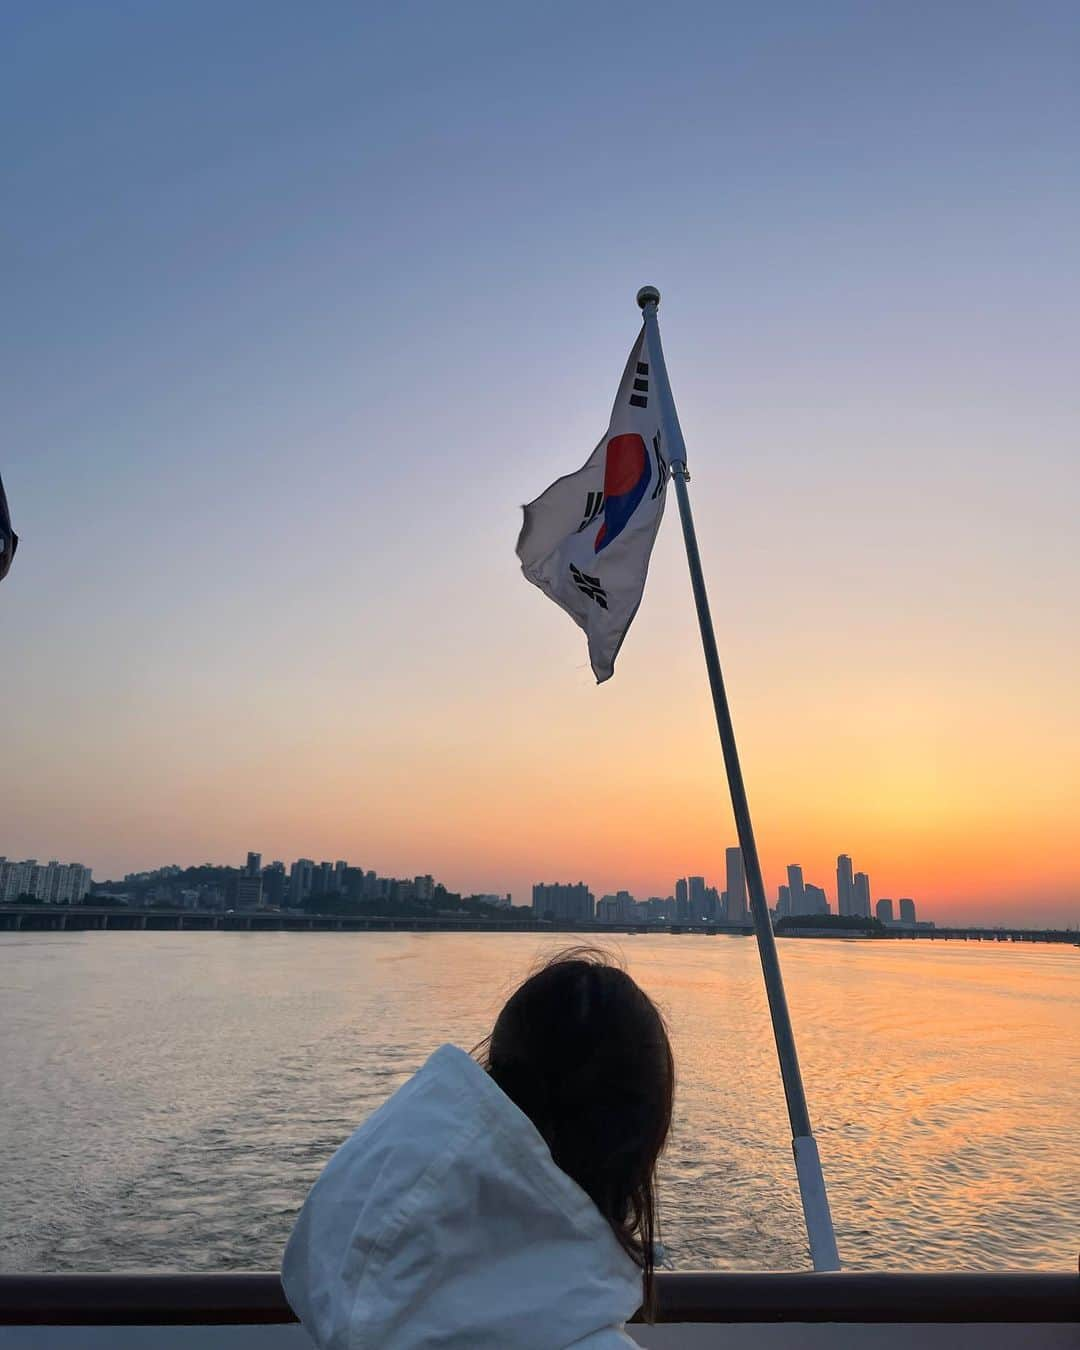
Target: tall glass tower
844,884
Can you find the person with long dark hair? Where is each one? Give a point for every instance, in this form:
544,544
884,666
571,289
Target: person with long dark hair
504,1200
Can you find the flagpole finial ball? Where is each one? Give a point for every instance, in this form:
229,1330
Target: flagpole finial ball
648,295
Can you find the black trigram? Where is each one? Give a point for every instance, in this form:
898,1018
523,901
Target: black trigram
640,398
661,468
590,586
594,504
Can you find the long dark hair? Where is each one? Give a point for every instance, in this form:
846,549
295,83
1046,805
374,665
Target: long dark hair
584,1052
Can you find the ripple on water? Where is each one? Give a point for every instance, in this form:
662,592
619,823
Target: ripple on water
174,1095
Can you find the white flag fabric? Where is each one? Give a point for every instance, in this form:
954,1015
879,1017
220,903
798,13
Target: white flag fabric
587,540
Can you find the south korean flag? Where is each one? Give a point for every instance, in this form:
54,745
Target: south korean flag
587,540
9,540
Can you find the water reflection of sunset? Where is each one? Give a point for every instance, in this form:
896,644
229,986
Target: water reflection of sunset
941,1081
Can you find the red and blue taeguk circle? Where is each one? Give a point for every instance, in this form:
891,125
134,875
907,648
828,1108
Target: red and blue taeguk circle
627,473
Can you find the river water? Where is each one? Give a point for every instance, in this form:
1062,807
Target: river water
167,1098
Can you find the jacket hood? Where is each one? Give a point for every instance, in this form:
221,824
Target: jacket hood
444,1221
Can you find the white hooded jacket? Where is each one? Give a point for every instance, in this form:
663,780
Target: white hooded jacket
443,1221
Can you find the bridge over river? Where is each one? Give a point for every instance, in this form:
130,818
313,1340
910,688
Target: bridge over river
83,918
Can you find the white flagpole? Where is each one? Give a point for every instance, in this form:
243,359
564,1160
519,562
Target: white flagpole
815,1201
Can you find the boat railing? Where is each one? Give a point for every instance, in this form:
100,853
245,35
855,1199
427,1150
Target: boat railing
256,1298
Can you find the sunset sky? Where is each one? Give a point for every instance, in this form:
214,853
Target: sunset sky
305,301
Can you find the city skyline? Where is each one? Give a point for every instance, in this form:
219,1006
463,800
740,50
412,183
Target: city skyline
286,359
690,897
854,894
304,886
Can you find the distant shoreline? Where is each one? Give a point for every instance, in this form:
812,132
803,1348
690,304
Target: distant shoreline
89,918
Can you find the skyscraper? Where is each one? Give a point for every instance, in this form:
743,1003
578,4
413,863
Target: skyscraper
797,888
883,909
736,886
300,875
323,879
696,887
816,900
273,879
249,888
49,884
69,891
715,904
860,899
607,909
907,910
563,902
844,884
682,901
783,901
14,880
254,865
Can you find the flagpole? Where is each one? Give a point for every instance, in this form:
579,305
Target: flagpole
815,1201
